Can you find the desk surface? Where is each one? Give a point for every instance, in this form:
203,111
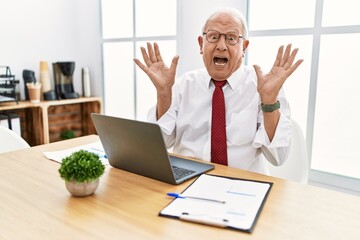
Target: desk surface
34,204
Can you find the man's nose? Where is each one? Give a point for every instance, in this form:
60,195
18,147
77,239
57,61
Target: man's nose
221,44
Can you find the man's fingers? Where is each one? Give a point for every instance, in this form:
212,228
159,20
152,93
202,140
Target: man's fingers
140,65
145,56
294,67
286,55
157,52
174,62
258,70
151,52
259,74
279,56
291,59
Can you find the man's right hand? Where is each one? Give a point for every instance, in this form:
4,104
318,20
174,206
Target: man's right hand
161,76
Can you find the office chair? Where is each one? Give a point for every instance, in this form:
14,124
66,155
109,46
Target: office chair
10,141
296,167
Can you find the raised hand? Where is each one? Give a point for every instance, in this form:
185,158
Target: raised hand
269,84
162,77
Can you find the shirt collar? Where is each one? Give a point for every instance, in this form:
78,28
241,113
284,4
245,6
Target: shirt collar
233,80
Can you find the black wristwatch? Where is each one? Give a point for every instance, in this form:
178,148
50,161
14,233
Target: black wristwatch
270,107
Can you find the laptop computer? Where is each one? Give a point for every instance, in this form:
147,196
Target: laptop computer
139,147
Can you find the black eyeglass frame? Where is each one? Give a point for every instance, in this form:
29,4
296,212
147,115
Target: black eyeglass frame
226,38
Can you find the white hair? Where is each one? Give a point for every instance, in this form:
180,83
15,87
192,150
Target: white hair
234,13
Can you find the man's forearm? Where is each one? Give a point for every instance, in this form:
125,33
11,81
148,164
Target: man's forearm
163,104
271,120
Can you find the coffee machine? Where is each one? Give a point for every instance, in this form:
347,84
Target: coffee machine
63,77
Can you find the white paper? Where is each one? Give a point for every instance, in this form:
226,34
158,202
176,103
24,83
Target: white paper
243,200
95,147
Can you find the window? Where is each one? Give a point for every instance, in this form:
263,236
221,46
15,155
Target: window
323,92
126,26
262,51
276,14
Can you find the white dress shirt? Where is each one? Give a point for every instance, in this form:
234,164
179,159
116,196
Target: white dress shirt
186,126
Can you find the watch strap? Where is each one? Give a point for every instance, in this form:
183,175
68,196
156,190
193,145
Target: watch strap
270,107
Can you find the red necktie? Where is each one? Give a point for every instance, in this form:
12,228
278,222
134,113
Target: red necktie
218,125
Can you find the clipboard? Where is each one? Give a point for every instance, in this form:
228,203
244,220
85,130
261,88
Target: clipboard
219,201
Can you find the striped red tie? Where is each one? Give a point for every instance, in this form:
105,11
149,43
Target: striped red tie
218,125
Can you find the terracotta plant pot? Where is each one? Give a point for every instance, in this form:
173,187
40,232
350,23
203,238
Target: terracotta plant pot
82,189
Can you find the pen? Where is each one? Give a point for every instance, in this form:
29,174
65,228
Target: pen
177,195
203,219
100,155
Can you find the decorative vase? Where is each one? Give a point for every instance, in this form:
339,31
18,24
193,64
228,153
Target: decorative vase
82,189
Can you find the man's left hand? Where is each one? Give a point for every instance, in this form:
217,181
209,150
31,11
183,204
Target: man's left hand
269,84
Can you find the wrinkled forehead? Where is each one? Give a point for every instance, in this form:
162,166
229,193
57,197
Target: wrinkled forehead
224,22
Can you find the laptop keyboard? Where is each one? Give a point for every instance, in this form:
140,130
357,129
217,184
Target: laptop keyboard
181,172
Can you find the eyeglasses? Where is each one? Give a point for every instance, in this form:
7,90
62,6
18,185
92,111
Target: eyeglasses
231,38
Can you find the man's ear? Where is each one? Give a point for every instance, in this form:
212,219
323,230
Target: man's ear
200,41
245,45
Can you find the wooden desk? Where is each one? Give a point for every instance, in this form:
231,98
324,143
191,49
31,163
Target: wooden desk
34,204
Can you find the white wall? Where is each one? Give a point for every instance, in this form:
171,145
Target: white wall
57,30
69,30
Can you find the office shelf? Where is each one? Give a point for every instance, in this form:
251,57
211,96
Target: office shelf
7,85
43,122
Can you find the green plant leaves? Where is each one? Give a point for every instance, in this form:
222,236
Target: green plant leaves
81,166
67,134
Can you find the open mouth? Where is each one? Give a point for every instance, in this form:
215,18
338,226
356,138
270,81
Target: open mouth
220,61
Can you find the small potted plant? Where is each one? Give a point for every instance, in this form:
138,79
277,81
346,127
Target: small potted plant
81,172
67,134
